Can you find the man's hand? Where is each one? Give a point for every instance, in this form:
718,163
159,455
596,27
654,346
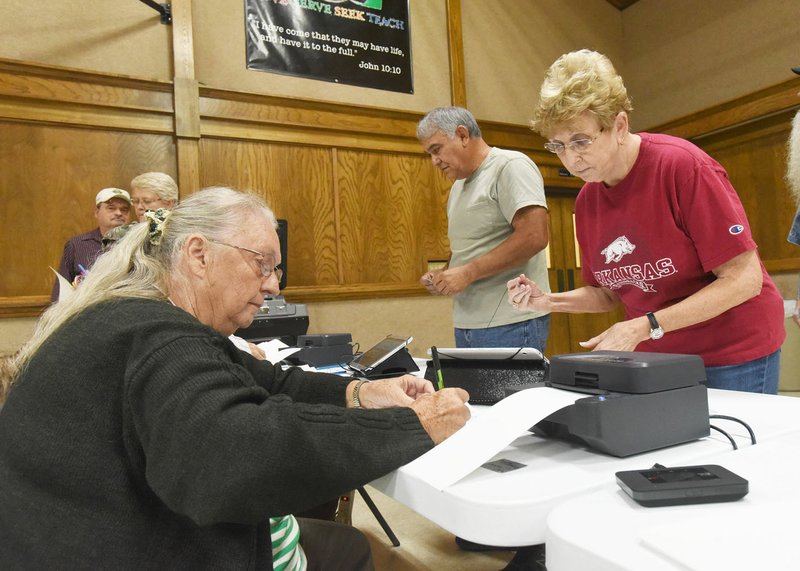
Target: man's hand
443,412
427,279
452,280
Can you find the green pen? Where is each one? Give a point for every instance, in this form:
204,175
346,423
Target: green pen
437,366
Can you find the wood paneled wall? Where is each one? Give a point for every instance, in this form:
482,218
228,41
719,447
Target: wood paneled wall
366,209
748,137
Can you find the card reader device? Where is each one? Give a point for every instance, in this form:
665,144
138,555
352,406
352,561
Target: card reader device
682,485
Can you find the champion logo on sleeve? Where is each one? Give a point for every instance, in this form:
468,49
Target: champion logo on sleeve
736,229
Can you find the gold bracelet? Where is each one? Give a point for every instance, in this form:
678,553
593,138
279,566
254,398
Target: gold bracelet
356,390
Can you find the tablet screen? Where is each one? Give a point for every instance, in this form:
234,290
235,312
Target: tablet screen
379,353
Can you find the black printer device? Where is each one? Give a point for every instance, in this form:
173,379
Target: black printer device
324,349
640,401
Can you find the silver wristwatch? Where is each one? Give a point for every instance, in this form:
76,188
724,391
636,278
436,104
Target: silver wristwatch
656,331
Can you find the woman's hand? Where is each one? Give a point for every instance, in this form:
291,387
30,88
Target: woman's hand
443,412
396,391
525,295
622,336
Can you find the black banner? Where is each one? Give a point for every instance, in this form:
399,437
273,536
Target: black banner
356,42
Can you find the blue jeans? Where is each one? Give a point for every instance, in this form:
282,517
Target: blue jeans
756,376
531,333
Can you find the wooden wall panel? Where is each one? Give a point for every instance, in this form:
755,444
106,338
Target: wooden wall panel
366,209
297,183
754,155
392,210
49,176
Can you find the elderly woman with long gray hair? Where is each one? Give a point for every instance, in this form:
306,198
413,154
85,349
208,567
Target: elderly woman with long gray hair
136,435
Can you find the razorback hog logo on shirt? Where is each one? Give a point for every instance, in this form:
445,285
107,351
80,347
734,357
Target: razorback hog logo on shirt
618,248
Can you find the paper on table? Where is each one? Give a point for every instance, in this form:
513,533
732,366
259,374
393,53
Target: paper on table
276,350
487,434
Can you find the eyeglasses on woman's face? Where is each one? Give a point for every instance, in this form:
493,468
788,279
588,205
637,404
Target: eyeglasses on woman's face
265,261
579,145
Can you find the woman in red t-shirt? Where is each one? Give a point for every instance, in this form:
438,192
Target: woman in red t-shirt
661,231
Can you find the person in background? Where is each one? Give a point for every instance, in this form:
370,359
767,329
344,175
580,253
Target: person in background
151,191
134,434
112,209
793,178
661,231
497,226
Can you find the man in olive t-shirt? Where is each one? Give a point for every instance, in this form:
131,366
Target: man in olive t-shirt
497,227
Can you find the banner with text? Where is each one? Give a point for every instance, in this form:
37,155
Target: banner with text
356,42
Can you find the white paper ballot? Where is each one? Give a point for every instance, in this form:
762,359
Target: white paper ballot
65,289
276,350
487,434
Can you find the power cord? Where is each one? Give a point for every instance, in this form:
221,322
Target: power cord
734,419
718,429
728,436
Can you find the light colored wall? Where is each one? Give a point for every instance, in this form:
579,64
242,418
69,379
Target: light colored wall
683,56
509,45
124,37
14,332
220,60
428,319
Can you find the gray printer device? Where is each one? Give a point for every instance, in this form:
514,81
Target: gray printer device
277,319
637,401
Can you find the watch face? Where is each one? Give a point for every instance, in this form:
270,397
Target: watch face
656,333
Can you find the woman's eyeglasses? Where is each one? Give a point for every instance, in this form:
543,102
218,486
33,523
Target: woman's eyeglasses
577,145
267,269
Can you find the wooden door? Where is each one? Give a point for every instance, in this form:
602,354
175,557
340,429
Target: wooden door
564,271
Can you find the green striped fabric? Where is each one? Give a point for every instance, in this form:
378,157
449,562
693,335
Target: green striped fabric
287,554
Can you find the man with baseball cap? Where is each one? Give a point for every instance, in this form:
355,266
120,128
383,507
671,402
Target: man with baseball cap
112,209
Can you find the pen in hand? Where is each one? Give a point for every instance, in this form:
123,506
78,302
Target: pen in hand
437,367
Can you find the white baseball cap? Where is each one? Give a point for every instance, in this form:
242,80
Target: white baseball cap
108,193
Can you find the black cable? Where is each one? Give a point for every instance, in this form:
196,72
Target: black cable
718,429
502,297
743,423
164,9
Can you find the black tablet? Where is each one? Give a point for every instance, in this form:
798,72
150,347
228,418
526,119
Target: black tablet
371,358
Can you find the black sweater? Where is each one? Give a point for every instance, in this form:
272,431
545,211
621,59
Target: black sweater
139,438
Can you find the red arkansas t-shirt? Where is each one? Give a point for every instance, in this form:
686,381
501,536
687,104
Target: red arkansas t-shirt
654,238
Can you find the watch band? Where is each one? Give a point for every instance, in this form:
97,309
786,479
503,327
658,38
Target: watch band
653,321
356,391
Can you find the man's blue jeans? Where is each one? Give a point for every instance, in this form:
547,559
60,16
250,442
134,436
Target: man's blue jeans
531,333
756,376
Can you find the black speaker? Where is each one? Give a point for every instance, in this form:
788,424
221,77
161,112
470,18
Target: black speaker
283,237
